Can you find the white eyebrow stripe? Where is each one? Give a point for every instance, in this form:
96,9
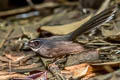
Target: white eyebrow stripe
34,40
39,47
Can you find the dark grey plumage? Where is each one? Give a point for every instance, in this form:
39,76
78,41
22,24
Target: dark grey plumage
57,46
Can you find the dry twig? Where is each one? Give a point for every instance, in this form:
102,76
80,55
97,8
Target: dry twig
6,36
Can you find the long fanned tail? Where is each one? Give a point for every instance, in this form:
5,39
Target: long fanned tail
95,21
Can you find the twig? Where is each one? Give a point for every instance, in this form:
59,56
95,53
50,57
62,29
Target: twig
31,4
101,44
28,8
111,76
115,26
6,36
10,67
56,72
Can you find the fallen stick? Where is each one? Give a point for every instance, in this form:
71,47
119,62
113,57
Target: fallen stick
28,8
6,36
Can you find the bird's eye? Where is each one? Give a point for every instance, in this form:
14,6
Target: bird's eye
34,44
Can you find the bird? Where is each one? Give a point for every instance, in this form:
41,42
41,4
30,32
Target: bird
57,46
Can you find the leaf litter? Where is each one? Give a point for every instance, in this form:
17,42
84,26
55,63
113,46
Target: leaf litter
99,61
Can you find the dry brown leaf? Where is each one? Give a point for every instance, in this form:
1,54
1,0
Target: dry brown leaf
67,28
88,76
115,37
112,63
109,32
112,32
78,70
35,76
85,56
103,6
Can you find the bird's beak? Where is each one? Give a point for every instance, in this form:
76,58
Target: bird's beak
26,45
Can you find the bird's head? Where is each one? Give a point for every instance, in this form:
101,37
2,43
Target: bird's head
35,44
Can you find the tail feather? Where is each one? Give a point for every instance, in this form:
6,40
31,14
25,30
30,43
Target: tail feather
95,21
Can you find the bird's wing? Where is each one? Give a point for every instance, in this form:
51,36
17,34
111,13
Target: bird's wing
65,48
